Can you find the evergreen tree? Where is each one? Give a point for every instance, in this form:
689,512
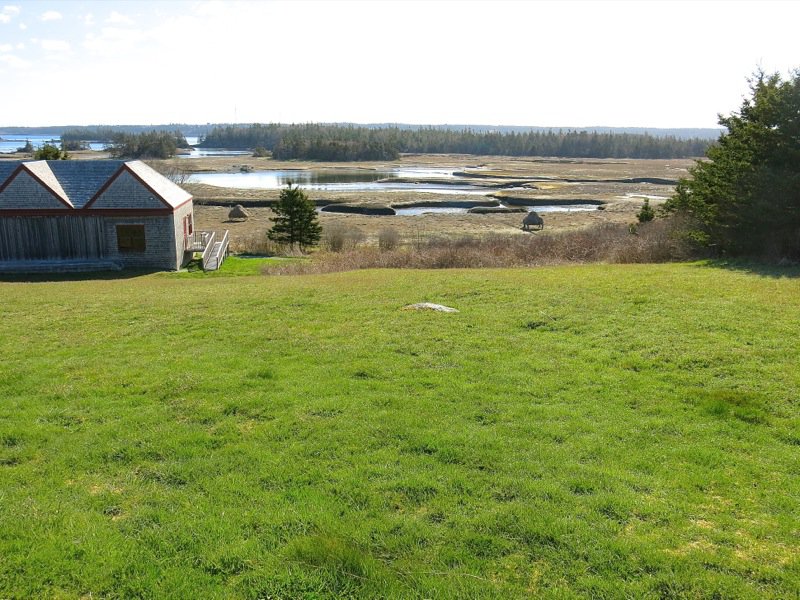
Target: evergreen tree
647,213
296,219
50,152
745,198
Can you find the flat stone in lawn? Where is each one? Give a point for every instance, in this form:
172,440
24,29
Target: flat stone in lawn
430,306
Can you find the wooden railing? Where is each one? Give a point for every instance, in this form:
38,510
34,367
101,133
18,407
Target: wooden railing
208,250
223,249
214,252
197,241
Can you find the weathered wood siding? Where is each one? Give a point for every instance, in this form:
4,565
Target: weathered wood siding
25,192
49,238
127,192
84,237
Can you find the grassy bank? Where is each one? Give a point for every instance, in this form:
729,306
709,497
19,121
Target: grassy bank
575,431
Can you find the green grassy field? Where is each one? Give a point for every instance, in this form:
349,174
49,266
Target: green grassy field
603,431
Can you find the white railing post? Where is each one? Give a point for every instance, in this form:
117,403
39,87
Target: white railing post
207,250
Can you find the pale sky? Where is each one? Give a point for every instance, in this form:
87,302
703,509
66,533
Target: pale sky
645,64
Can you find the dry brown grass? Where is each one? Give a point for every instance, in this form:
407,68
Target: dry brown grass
658,241
622,200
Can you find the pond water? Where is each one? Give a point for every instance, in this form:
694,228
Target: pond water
561,208
195,152
436,210
342,180
648,196
202,152
364,180
453,210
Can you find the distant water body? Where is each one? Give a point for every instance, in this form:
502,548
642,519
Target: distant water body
342,180
9,142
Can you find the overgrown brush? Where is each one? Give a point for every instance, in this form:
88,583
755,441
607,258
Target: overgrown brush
658,241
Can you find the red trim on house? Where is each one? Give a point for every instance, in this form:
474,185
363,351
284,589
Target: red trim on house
92,212
35,177
182,204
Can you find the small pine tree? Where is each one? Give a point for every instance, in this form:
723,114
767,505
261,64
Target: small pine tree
647,213
296,221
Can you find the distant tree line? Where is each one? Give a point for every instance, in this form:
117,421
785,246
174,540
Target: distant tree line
195,129
345,143
105,133
89,134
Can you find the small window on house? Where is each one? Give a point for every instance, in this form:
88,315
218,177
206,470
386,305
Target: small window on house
130,238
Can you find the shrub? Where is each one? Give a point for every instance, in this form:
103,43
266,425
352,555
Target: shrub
658,241
50,152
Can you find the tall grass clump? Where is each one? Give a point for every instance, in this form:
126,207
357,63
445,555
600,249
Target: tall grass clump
337,237
388,239
256,245
658,241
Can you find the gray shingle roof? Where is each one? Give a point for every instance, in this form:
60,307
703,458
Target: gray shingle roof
6,168
78,181
41,168
81,179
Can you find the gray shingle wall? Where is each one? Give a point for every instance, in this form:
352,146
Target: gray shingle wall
171,193
160,245
25,192
127,192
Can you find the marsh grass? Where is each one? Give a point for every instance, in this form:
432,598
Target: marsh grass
582,431
657,241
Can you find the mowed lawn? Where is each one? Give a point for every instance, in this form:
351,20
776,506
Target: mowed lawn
592,431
